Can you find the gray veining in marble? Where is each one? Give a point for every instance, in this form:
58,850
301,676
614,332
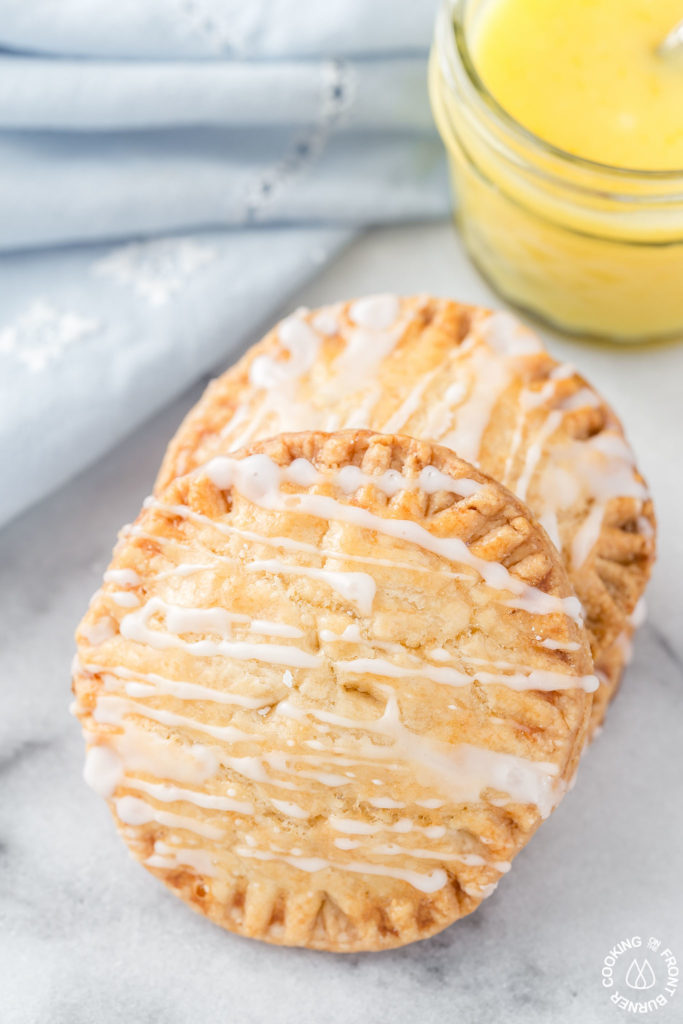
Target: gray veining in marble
87,937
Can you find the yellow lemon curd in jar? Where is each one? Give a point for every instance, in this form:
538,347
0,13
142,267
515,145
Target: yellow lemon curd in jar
585,75
564,128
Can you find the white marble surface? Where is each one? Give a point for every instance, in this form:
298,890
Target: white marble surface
87,937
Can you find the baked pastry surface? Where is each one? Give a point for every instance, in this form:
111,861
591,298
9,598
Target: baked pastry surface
477,382
331,686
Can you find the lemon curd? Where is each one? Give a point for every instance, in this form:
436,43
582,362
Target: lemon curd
564,130
585,75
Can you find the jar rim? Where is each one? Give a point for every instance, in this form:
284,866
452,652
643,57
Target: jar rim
452,23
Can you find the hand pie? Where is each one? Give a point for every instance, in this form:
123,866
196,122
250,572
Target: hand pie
478,383
333,683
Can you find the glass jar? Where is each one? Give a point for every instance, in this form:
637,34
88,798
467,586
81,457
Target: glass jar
589,248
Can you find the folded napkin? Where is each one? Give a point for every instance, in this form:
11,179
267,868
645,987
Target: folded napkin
170,170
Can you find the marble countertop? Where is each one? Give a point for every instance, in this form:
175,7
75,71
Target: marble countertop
87,937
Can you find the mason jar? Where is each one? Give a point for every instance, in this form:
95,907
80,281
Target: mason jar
589,248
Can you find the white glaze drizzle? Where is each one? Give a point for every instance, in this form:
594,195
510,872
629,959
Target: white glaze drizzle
431,802
355,826
360,416
284,543
124,577
410,404
488,379
508,337
462,771
134,811
141,749
490,354
376,312
103,769
99,632
149,684
134,626
428,883
289,809
535,451
461,766
300,342
326,322
124,598
532,679
172,857
358,588
559,645
606,464
111,710
259,479
170,794
350,635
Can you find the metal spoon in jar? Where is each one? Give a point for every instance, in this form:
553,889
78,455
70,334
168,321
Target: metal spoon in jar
672,44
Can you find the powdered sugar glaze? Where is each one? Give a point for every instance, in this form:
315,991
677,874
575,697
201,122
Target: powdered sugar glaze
452,402
181,786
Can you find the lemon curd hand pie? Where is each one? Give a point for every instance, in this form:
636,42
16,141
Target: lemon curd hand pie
332,683
478,383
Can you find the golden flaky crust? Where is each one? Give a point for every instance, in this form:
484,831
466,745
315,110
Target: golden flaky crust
306,688
476,382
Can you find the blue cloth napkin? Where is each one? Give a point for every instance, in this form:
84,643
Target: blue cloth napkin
170,170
